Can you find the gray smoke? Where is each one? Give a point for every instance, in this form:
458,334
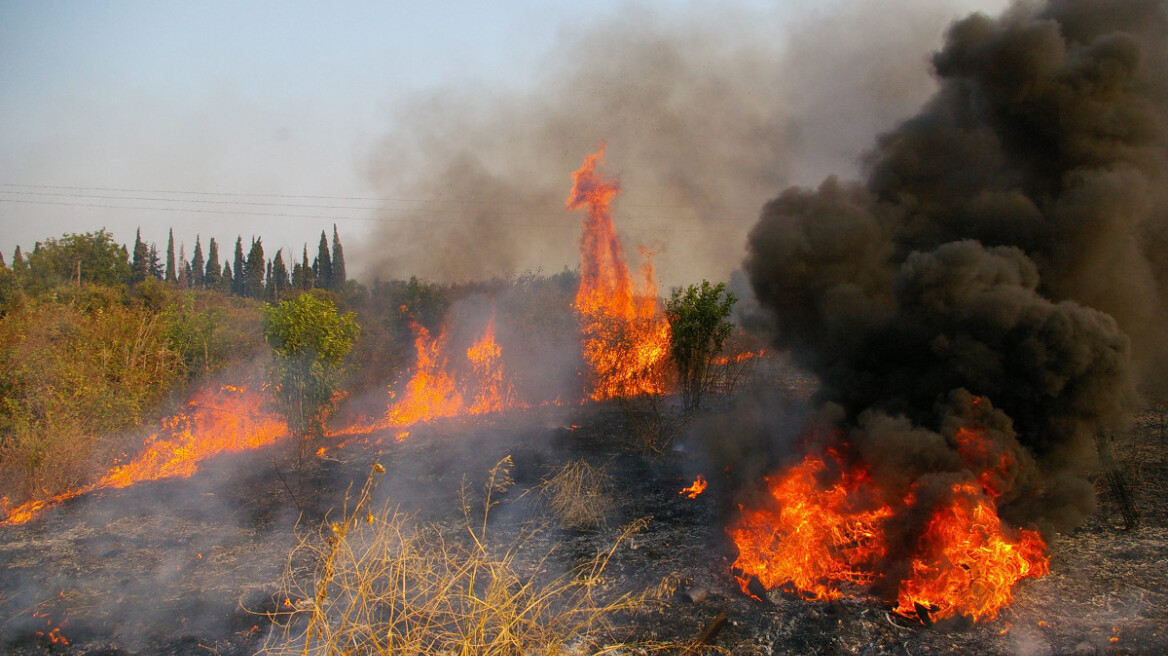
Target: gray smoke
1006,242
706,112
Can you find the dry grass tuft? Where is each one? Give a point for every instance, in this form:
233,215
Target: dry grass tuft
384,584
578,495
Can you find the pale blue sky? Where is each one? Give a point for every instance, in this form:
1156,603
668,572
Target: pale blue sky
272,99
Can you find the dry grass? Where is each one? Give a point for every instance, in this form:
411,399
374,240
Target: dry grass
578,495
383,584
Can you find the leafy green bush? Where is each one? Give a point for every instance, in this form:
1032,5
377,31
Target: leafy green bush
309,339
699,326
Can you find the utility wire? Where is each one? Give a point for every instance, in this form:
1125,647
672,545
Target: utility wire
378,199
374,219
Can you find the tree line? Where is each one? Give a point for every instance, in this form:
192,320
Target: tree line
95,257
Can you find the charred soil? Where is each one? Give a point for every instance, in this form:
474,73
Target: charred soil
192,566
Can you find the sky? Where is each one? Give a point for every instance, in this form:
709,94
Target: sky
271,119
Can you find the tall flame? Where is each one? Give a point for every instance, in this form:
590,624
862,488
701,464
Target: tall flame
494,393
823,530
431,392
626,335
214,421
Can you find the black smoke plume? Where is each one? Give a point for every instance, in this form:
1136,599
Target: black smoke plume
1006,243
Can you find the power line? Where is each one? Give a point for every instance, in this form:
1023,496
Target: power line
373,219
378,199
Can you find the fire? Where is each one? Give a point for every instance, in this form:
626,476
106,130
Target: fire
811,539
824,528
495,393
213,422
433,392
699,485
723,360
967,563
224,421
626,335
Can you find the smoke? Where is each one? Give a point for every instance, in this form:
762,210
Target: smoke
1004,243
705,114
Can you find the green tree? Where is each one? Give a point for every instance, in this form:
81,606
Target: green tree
212,274
309,340
307,275
337,274
322,266
140,266
238,282
227,282
699,326
154,264
198,267
278,280
170,270
96,255
254,271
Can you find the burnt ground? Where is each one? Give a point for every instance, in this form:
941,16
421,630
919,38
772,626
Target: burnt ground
189,566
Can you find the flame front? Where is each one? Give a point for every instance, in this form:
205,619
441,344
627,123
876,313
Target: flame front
626,334
224,420
433,392
823,530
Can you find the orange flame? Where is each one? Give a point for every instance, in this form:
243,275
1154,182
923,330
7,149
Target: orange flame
432,392
823,530
213,422
495,392
967,563
723,360
699,485
811,539
626,335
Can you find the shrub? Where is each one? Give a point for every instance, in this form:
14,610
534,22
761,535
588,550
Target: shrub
384,584
309,339
698,329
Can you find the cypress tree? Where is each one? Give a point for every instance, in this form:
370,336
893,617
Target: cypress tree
212,274
338,270
154,262
184,268
237,283
20,268
170,271
227,282
278,279
140,266
3,264
198,267
253,273
323,265
309,273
